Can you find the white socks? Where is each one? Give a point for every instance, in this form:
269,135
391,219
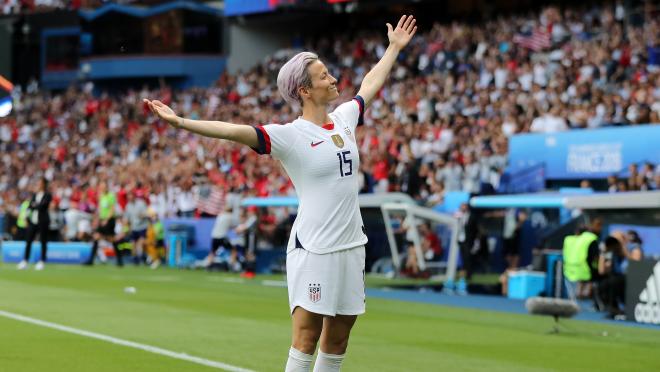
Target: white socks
328,362
298,361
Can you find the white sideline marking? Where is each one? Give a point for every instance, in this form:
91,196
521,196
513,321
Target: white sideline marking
274,283
233,280
118,341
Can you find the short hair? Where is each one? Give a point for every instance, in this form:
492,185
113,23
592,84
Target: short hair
294,75
612,243
634,237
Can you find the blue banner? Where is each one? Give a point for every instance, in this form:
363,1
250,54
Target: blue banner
528,180
589,153
241,7
58,252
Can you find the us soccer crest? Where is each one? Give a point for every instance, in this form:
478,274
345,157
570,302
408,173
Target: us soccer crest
315,292
339,142
347,131
349,134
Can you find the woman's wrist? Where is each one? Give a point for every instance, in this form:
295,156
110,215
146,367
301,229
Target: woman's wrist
394,47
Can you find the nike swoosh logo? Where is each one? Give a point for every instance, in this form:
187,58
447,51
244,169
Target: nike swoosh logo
317,143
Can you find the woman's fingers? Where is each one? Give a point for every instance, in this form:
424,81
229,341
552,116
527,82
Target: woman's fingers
411,25
150,105
406,23
159,109
403,17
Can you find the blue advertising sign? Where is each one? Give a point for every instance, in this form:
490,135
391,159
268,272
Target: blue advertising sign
58,252
589,153
241,7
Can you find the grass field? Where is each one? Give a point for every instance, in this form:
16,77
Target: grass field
246,324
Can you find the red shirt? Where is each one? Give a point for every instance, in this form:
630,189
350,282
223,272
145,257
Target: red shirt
92,197
434,243
380,170
122,199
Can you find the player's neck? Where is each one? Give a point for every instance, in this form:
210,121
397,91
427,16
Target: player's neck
316,114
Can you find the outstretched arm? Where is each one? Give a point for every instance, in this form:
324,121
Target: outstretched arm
399,38
244,134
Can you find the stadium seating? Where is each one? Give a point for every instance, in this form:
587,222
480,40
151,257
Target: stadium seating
442,124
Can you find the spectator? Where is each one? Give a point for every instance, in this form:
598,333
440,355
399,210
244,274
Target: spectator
513,223
646,177
186,200
138,220
633,178
248,227
220,235
155,240
105,223
617,250
431,249
549,122
56,223
22,221
612,185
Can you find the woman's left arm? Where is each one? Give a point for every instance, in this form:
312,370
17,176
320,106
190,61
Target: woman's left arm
399,38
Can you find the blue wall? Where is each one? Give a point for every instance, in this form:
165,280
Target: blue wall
197,70
241,7
650,236
203,229
589,153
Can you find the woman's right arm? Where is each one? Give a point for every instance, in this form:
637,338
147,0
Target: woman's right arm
244,134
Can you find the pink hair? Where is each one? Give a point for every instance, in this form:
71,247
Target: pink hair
294,75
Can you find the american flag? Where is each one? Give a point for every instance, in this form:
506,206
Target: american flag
210,200
537,41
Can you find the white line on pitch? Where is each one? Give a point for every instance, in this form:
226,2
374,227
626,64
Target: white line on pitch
233,280
118,341
274,283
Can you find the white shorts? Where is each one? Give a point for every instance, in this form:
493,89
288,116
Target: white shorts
328,284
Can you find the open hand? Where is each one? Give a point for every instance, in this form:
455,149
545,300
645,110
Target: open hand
164,112
404,31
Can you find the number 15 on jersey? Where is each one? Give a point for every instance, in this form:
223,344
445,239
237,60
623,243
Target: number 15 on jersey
345,163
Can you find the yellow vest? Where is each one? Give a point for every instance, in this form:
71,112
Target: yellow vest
21,221
575,251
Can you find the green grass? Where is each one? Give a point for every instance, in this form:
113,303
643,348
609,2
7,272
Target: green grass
246,324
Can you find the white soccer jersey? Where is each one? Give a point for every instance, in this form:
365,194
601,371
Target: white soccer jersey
323,164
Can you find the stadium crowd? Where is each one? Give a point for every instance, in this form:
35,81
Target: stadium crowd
36,6
442,124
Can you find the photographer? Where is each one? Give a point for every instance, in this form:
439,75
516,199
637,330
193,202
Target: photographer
616,251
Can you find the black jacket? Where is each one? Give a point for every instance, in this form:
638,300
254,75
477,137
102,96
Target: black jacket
41,208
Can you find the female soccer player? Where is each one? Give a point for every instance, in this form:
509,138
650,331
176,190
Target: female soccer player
325,254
